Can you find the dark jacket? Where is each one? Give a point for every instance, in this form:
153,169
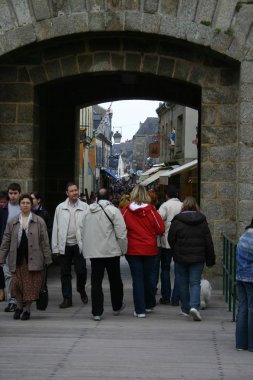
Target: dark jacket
3,220
44,214
190,238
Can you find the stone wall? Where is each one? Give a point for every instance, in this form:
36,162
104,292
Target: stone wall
17,127
199,52
224,25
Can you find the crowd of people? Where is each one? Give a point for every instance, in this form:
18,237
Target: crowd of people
115,222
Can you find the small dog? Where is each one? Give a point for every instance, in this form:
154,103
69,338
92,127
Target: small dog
205,293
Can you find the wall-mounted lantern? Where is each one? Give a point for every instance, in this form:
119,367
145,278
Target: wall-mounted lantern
117,137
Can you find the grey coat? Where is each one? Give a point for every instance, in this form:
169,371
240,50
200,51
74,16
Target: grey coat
100,238
39,252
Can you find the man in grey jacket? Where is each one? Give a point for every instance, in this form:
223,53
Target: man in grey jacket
67,244
104,238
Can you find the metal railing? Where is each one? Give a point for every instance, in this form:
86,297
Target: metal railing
229,272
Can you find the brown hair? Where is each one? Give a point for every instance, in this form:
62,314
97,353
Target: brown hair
190,204
70,184
153,196
140,195
25,195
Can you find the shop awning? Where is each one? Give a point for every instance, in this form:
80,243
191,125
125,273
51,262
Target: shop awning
152,178
148,172
110,173
179,169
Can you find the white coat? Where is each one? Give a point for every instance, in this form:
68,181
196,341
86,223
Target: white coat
168,210
61,223
100,238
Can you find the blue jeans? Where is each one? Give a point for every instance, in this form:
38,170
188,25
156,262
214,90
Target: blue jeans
190,277
244,320
144,275
166,257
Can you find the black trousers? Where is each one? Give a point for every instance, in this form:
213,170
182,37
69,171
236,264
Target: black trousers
2,282
72,255
112,266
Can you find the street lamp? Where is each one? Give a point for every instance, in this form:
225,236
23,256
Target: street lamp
117,135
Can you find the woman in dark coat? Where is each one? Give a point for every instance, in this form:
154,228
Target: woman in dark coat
192,245
26,244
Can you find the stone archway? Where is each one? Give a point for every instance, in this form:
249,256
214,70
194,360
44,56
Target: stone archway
57,105
191,45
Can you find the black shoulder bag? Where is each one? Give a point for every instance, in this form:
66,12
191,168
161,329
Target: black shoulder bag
42,301
106,214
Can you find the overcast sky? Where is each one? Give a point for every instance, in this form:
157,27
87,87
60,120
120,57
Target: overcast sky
128,114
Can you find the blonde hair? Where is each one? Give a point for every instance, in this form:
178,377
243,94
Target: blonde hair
140,195
190,204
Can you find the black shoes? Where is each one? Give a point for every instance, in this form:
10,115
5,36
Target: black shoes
25,316
17,313
65,304
84,297
162,301
10,308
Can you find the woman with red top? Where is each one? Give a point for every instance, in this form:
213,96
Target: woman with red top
143,225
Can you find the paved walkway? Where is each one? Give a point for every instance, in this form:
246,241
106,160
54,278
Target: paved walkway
67,344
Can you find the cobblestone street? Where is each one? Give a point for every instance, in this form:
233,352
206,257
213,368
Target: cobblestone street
68,344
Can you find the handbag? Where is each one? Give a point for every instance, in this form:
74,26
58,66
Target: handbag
42,301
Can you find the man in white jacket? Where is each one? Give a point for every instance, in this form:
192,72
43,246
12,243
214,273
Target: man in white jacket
168,210
104,237
67,244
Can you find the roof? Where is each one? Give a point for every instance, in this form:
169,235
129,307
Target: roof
170,173
149,127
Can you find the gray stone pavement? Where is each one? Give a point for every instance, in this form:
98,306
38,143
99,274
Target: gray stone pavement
67,344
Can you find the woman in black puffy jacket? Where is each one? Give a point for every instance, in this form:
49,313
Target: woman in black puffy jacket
192,245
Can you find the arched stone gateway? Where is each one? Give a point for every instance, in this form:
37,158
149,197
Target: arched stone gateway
57,55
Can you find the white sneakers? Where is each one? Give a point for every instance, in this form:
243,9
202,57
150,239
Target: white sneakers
139,315
195,314
97,317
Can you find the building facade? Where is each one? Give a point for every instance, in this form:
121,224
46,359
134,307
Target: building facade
178,127
146,134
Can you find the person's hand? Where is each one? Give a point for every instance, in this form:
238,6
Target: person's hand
57,254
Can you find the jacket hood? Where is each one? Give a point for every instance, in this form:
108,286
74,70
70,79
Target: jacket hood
94,207
140,210
190,217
